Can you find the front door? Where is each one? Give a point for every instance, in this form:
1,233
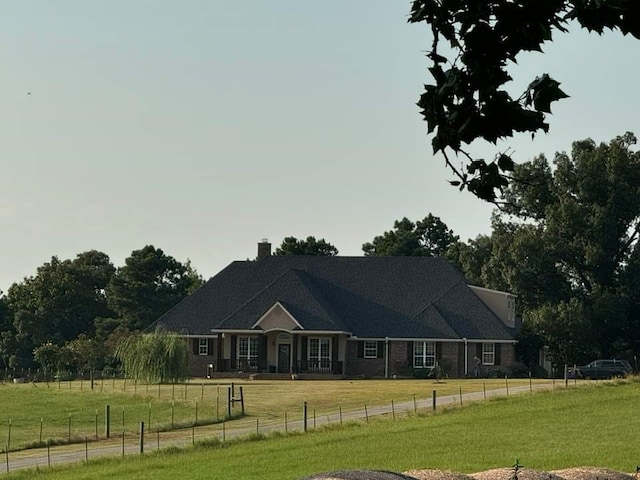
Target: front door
284,358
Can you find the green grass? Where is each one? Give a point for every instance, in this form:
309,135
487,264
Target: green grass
595,425
25,405
272,398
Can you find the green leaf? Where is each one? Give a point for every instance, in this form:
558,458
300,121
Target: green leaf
543,91
436,58
506,163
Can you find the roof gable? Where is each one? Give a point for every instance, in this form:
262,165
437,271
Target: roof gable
277,318
295,292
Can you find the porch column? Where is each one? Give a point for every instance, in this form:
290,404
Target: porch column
466,358
262,353
294,352
386,357
220,367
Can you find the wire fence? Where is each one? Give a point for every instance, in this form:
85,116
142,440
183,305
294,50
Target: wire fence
150,436
163,407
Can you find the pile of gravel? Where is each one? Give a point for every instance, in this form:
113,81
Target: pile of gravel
592,473
433,474
577,473
507,474
359,475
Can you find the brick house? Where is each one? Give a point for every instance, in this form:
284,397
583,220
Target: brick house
346,317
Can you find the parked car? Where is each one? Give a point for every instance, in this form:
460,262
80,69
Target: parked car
605,369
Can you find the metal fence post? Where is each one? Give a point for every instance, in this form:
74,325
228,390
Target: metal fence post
107,420
304,415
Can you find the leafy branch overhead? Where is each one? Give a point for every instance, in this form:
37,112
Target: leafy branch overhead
467,100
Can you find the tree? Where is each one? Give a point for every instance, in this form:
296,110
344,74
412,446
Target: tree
195,279
467,100
310,246
154,357
429,237
471,257
148,285
5,322
88,353
6,328
521,263
108,333
57,304
48,356
567,244
567,328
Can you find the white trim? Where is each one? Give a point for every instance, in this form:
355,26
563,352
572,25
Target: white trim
320,359
491,353
466,357
293,332
426,339
236,332
386,358
277,329
276,305
364,349
205,345
251,355
424,355
491,290
320,332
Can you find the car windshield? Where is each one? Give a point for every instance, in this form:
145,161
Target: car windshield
609,364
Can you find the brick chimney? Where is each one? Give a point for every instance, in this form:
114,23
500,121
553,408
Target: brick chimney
264,249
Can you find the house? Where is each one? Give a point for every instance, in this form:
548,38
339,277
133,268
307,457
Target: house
346,317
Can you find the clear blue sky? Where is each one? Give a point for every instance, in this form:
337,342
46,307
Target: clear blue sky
203,126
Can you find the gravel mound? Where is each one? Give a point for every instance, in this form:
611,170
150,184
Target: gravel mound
507,474
577,473
432,474
592,473
359,475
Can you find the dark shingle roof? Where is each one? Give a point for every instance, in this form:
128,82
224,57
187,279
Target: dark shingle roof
370,297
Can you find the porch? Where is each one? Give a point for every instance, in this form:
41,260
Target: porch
301,367
279,352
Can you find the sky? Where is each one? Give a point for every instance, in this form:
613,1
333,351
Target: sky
202,127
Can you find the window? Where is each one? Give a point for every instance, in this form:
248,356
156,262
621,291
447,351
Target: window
370,349
320,353
203,346
488,353
424,354
248,348
511,307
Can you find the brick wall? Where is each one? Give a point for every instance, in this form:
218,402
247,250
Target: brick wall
375,367
399,364
451,355
198,364
449,361
507,360
366,367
